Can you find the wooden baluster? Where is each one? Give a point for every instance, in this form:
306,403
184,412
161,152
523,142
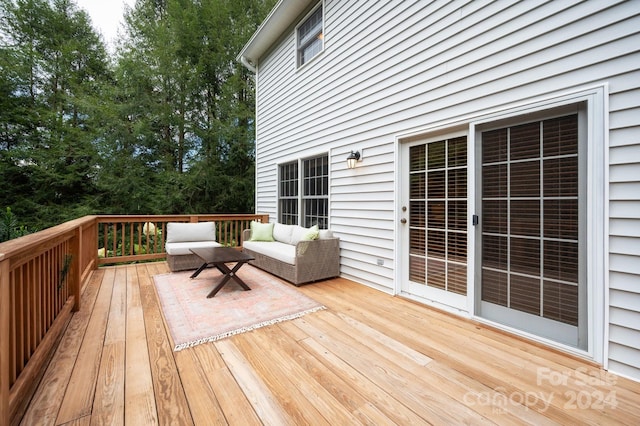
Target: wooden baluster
20,314
225,233
75,271
114,232
105,238
162,239
123,240
132,249
31,308
35,265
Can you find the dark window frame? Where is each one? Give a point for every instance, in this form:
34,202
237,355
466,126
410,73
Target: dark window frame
310,36
303,195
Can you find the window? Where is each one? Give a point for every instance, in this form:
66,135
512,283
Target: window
288,201
316,192
530,205
310,37
438,214
304,192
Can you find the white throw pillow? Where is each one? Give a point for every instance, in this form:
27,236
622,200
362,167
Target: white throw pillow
325,234
187,232
282,233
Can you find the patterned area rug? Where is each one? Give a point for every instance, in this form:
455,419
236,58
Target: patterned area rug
193,319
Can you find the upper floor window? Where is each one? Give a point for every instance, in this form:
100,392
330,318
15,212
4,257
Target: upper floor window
310,37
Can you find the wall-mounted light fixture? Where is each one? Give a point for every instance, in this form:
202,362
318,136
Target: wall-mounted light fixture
352,159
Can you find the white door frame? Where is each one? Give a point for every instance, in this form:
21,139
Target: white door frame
439,298
596,99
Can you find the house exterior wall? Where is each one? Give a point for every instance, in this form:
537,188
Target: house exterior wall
392,68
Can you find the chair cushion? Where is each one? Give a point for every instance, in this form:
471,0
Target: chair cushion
187,232
178,249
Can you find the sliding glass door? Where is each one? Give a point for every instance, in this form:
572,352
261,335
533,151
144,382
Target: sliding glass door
531,253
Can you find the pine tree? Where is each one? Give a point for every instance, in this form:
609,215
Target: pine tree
54,62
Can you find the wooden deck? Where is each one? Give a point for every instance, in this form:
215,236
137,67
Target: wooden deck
369,358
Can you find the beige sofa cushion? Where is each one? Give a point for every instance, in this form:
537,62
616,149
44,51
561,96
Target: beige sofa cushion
179,249
275,249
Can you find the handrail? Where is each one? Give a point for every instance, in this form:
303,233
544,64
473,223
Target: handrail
43,274
141,238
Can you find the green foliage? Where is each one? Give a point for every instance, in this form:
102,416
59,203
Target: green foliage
52,63
9,226
66,267
164,126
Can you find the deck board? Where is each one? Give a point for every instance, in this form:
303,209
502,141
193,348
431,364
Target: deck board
171,401
202,399
273,371
140,404
287,353
258,394
108,407
369,358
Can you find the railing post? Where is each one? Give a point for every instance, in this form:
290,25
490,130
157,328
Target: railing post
96,243
5,388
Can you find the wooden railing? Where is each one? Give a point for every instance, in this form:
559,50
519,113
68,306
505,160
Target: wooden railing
42,276
141,238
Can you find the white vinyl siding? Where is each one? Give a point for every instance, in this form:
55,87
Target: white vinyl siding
400,67
624,227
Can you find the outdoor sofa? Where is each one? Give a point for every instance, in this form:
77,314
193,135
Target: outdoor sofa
297,254
182,237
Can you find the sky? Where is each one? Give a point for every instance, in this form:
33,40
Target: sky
106,16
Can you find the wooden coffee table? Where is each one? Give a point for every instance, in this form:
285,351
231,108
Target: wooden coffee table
219,257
